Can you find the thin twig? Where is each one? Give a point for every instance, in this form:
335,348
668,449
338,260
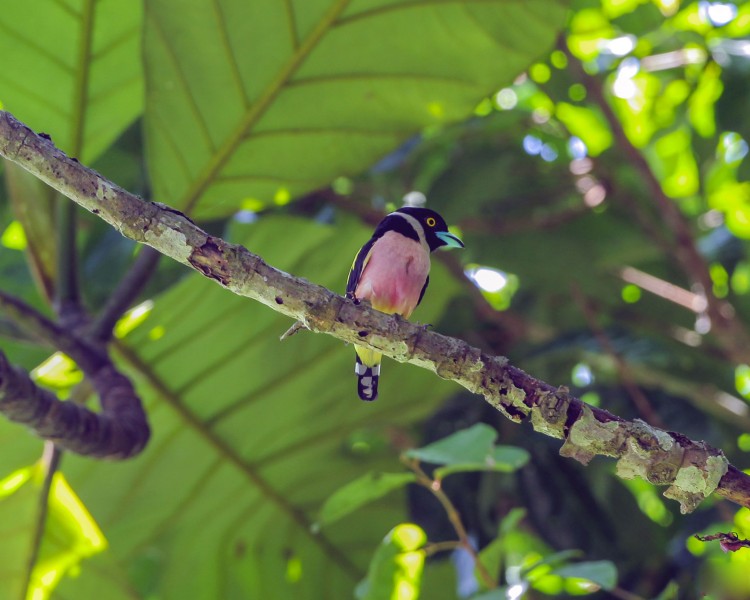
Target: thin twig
67,297
641,402
454,517
86,355
127,290
296,328
50,463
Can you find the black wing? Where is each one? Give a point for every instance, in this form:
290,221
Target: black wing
424,289
358,266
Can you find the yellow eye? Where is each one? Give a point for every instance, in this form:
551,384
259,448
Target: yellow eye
431,221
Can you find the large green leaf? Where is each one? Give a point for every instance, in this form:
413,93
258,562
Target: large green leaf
72,68
249,439
256,102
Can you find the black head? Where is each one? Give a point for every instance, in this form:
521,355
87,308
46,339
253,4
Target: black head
434,227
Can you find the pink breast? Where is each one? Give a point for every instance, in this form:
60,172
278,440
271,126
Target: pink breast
395,274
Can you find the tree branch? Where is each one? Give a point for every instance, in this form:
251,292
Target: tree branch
128,289
120,431
691,469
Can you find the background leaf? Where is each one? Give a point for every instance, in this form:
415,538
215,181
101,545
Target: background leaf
396,567
362,490
472,445
71,68
601,572
255,104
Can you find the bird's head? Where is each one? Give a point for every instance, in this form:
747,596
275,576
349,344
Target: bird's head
435,229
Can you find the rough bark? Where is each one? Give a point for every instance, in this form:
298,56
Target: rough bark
691,469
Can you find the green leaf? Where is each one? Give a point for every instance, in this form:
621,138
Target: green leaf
396,567
601,572
70,533
586,123
256,103
675,165
72,69
365,489
468,446
505,459
703,101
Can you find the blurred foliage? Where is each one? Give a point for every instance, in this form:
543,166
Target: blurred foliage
282,125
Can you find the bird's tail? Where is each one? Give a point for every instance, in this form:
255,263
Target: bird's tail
367,380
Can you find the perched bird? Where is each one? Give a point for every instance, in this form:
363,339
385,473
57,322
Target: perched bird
392,272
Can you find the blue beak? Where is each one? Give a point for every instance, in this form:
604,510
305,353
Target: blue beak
449,239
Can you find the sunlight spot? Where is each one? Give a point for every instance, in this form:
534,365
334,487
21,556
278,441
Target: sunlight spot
484,108
408,537
548,153
506,99
489,280
702,324
732,148
133,318
157,333
582,376
58,371
620,46
581,166
14,237
245,216
631,293
436,109
532,145
252,204
718,13
282,196
14,481
595,195
742,380
624,86
667,7
515,591
76,513
540,73
540,115
577,148
293,569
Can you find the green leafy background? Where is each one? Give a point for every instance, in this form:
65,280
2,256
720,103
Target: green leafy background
311,118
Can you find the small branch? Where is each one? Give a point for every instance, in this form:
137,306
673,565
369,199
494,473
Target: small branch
454,517
50,463
642,404
129,288
692,470
67,299
87,356
729,542
434,548
296,328
119,432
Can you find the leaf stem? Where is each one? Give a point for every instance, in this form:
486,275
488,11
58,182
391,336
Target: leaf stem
67,293
50,463
434,486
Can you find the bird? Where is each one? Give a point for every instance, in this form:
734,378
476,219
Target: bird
391,271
